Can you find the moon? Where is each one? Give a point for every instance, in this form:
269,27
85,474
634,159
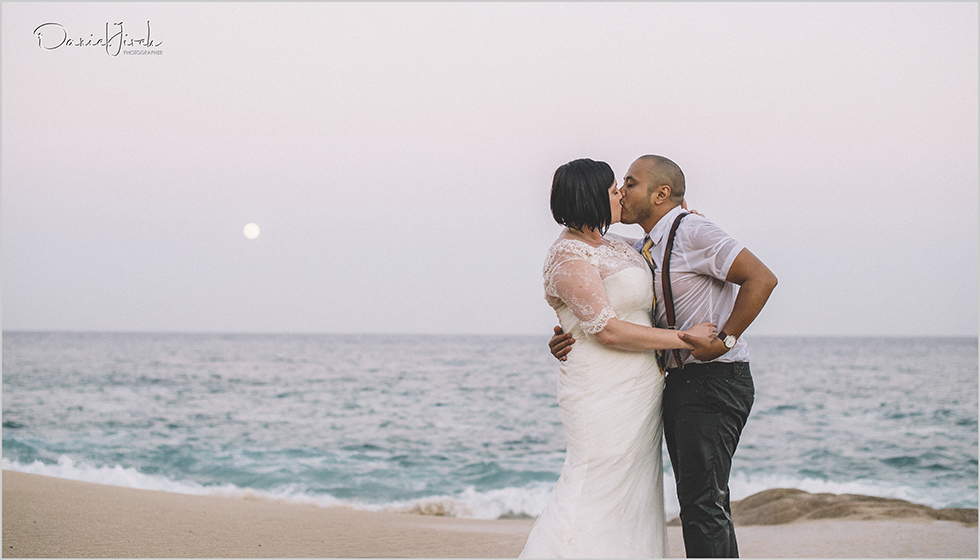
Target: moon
251,231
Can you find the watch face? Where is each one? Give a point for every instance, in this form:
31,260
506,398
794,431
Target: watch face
730,341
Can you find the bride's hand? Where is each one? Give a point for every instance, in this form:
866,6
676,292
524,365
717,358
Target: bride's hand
703,330
684,206
700,338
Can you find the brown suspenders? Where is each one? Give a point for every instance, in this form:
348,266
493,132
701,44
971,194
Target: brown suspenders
668,296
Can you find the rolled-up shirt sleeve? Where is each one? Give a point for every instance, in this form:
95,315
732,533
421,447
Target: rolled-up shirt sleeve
711,251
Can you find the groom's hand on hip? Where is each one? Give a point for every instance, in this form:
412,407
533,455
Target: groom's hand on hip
560,344
705,349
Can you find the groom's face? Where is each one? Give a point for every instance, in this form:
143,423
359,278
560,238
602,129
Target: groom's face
636,202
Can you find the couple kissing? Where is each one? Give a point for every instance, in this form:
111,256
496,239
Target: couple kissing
650,347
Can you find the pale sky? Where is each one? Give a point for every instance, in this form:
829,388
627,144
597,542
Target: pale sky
398,159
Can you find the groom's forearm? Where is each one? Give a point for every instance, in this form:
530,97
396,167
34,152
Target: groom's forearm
756,283
752,297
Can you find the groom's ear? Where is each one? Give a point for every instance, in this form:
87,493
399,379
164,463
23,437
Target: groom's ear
661,194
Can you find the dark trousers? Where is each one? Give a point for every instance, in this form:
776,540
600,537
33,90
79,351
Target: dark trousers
705,408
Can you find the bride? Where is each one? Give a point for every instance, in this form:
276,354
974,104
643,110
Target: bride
609,500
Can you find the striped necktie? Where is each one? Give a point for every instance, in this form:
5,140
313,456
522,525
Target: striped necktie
646,252
647,245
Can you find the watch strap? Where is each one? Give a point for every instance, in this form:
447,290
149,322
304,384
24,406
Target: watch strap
724,338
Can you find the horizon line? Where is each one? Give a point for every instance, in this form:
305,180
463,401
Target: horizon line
433,334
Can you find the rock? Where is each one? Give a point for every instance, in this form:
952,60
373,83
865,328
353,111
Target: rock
787,505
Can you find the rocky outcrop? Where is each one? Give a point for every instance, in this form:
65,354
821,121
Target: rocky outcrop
786,505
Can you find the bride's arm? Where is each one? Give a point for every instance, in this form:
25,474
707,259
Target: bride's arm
578,284
630,336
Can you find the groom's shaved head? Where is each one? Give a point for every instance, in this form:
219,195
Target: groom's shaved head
665,172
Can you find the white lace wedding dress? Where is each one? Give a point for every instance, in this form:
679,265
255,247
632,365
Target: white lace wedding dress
609,500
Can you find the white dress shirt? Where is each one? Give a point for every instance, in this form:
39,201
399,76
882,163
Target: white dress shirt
700,261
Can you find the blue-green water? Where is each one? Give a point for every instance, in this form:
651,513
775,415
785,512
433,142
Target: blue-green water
467,426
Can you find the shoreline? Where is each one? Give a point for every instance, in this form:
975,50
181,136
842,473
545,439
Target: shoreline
52,517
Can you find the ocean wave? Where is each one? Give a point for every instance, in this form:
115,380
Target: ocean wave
490,504
126,477
470,503
526,501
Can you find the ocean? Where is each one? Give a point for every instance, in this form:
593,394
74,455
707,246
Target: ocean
465,426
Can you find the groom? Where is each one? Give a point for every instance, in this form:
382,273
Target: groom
707,398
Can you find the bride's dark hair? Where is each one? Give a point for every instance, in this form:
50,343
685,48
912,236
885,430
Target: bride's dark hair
580,194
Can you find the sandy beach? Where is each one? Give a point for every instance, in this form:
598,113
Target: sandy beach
50,517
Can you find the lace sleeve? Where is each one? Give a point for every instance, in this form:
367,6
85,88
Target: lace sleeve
573,277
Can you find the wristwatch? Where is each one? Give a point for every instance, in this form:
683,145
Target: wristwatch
728,339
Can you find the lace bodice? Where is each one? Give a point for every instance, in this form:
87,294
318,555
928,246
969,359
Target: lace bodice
609,500
574,272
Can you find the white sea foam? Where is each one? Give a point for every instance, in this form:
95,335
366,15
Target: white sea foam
491,504
69,469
